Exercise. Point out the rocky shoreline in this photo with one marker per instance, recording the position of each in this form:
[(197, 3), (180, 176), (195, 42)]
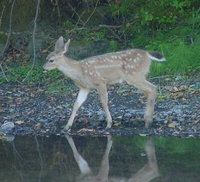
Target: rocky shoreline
[(34, 112)]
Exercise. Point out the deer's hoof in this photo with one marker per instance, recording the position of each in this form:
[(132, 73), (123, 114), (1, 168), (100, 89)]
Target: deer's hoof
[(109, 125), (148, 124), (107, 129), (148, 121), (66, 130)]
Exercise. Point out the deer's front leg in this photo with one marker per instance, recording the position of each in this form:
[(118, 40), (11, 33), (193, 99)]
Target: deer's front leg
[(82, 96), (104, 101), (82, 163)]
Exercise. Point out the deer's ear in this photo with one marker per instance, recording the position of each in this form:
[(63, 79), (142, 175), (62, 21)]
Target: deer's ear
[(59, 44), (66, 46)]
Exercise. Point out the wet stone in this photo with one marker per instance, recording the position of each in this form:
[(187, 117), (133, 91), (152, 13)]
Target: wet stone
[(7, 127), (127, 115), (165, 122), (158, 119), (180, 119)]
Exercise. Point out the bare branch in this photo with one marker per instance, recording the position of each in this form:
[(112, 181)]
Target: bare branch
[(1, 16), (79, 16), (109, 27), (10, 28), (55, 4), (8, 38), (34, 31), (91, 13), (3, 72)]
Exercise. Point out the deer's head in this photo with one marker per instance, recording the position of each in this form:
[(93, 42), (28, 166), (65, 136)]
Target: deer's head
[(55, 59)]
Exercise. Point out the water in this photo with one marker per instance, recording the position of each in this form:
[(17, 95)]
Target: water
[(86, 158)]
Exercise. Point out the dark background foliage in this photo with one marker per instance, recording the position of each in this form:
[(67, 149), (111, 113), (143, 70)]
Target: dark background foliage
[(171, 27)]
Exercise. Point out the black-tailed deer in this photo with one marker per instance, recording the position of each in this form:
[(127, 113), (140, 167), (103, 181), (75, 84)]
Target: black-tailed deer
[(148, 172), (97, 72)]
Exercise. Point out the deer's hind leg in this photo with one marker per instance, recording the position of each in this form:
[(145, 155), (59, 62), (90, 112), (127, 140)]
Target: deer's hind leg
[(102, 90), (150, 92)]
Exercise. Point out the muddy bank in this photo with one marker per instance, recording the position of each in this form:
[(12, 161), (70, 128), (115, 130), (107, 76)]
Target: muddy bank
[(32, 111)]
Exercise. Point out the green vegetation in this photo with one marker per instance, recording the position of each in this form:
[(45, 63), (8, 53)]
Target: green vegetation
[(18, 72), (170, 151), (172, 144), (181, 58)]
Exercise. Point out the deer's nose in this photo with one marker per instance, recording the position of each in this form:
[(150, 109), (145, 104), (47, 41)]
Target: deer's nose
[(44, 70)]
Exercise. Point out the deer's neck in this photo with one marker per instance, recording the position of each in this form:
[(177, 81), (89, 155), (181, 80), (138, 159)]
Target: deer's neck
[(70, 68)]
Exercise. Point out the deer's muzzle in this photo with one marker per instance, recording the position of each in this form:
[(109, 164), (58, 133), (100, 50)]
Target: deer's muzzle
[(44, 70)]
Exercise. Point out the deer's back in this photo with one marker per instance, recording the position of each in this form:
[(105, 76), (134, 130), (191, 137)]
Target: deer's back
[(115, 67)]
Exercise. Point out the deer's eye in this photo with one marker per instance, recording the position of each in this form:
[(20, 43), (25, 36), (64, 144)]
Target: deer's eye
[(51, 60)]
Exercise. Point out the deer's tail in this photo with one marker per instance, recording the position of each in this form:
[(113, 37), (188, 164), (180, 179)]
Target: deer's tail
[(156, 56)]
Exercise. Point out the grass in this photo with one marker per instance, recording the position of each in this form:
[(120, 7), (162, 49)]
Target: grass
[(181, 58)]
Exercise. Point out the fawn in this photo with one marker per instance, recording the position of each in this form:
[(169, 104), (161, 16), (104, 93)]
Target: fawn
[(97, 72)]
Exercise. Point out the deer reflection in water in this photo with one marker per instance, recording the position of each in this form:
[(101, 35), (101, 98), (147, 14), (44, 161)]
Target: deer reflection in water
[(147, 173)]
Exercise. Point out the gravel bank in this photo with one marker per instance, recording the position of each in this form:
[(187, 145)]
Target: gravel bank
[(33, 111)]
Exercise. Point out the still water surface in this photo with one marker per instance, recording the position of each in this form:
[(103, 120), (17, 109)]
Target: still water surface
[(109, 158)]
